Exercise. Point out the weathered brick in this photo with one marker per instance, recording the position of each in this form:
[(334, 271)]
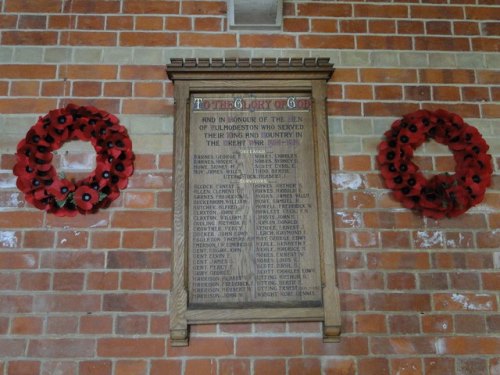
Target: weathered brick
[(61, 348), (134, 302), (131, 347)]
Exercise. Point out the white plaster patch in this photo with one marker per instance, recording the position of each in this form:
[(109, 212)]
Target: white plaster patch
[(8, 183), (372, 240), (440, 346), (29, 259), (100, 223), (496, 259), (430, 239), (495, 370), (353, 219), (467, 305), (8, 239), (347, 180)]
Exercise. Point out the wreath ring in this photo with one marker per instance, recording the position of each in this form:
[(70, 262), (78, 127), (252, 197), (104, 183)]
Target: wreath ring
[(47, 190), (443, 194)]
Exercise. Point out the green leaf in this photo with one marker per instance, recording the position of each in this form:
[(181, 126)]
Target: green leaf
[(61, 175), (102, 196), (61, 203)]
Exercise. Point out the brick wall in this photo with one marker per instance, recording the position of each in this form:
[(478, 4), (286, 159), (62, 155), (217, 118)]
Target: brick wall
[(90, 294)]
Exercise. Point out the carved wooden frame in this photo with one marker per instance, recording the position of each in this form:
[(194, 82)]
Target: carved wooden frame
[(266, 75)]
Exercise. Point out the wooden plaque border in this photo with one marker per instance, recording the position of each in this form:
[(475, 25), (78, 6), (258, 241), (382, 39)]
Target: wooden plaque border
[(246, 75)]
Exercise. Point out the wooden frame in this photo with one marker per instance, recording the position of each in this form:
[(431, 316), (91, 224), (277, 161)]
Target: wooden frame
[(274, 78)]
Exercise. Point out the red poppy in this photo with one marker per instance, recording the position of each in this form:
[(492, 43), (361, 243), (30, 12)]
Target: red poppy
[(60, 118), (85, 198), (60, 189)]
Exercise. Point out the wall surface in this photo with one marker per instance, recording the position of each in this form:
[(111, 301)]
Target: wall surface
[(89, 295)]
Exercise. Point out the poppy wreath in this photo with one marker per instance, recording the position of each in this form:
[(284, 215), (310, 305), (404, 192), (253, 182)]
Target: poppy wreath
[(443, 195), (38, 179)]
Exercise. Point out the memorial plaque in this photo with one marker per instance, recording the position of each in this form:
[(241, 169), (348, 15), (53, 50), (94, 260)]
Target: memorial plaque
[(253, 235)]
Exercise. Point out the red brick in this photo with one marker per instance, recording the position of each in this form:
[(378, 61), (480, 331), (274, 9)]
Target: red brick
[(306, 366), (142, 259), (403, 345), (438, 27), (437, 323), (27, 6), (407, 366), (162, 367), (207, 40), (133, 302), (404, 324), (398, 260), (61, 348), (269, 366), (482, 13), (72, 259), (97, 72), (34, 38), (131, 324), (95, 6), (95, 368), (446, 93), (87, 88), (151, 7), (370, 323), (148, 89), (138, 239), (388, 109), (476, 94), (20, 219), (67, 367), (24, 368), (234, 366), (131, 347), (441, 44), (367, 280), (326, 41), (302, 25), (141, 219), (410, 27), (26, 325), (18, 260), (150, 39), (24, 88), (484, 44), (383, 11), (178, 23), (8, 21), (436, 12), (462, 345), (53, 88), (201, 366), (266, 41), (395, 239), (358, 92), (324, 10), (68, 281), (91, 22), (34, 281), (373, 366), (136, 281), (353, 26), (381, 27), (338, 366), (383, 42), (437, 366), (401, 281), (204, 8), (12, 347), (268, 347), (119, 23), (204, 347), (102, 281), (95, 324), (208, 24), (388, 92), (62, 325), (89, 38), (143, 72), (105, 240), (160, 324), (399, 302), (38, 239), (469, 323), (487, 77), (148, 23), (131, 367), (66, 303)]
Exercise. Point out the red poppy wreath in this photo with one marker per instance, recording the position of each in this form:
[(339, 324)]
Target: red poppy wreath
[(38, 179), (444, 194)]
